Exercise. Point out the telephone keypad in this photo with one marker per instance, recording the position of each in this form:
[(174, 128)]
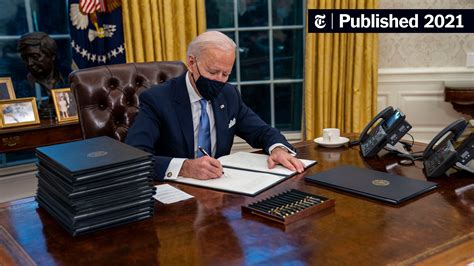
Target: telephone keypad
[(440, 159), (376, 136)]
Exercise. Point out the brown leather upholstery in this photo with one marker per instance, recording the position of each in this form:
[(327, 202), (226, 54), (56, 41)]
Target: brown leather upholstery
[(107, 96)]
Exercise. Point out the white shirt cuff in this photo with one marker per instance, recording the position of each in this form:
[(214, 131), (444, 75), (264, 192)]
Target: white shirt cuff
[(174, 167), (290, 151)]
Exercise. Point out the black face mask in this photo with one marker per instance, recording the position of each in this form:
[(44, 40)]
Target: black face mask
[(209, 89)]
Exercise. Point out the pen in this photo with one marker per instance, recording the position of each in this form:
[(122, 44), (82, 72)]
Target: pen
[(203, 151), (207, 154)]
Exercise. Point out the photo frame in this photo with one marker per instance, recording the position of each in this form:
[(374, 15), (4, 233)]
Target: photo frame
[(65, 105), (18, 112), (6, 89)]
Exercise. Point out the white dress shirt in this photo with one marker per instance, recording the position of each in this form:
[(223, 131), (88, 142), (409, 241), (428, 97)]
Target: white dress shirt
[(176, 163)]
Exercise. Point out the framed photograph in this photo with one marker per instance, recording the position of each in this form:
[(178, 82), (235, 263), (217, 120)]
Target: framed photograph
[(18, 112), (6, 89), (65, 105)]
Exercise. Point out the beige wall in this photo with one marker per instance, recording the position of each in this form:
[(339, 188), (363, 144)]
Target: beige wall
[(415, 67), (400, 50)]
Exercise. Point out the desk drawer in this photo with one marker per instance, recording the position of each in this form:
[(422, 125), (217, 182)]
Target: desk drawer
[(36, 137)]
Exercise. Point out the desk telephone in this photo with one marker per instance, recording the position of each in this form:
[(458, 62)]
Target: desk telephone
[(438, 159), (390, 129)]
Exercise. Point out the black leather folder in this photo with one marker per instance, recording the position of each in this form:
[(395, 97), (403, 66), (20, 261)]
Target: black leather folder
[(94, 184), (97, 201), (92, 226), (389, 188), (95, 189), (91, 155), (94, 176)]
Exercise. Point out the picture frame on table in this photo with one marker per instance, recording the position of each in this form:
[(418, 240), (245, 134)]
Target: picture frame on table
[(18, 112), (6, 89), (65, 105)]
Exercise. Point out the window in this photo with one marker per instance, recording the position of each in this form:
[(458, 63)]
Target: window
[(20, 17), (269, 63), (17, 18)]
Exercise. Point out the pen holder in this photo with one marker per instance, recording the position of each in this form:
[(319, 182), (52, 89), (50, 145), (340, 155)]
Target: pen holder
[(289, 206)]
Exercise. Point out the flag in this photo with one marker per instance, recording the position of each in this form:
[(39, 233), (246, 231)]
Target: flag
[(96, 32)]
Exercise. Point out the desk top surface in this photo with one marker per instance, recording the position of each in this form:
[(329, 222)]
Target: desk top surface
[(210, 228)]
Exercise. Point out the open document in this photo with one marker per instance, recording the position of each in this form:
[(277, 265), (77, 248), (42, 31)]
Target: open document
[(245, 173)]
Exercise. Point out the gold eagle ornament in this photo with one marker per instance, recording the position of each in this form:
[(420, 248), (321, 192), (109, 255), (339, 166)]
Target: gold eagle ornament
[(80, 13)]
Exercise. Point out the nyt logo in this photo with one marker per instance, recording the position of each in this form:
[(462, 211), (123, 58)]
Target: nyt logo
[(320, 21)]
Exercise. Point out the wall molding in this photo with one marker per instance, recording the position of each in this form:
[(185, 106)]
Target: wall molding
[(425, 74), (419, 93)]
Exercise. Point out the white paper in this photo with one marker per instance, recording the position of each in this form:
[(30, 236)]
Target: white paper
[(249, 174), (168, 194), (256, 162), (234, 180)]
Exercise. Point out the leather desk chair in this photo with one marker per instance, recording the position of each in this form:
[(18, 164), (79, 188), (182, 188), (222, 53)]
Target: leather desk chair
[(107, 96)]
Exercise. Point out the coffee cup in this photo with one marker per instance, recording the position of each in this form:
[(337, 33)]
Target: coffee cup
[(331, 135)]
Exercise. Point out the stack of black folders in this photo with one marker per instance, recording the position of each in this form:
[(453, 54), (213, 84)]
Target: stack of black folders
[(95, 184), (289, 206)]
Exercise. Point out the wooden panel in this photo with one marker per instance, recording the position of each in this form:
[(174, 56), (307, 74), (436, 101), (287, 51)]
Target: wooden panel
[(420, 95), (427, 109), (31, 137)]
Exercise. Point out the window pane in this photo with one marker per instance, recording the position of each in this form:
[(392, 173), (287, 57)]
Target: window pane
[(288, 109), (287, 12), (50, 16), (64, 57), (11, 65), (220, 13), (13, 18), (252, 13), (257, 97), (233, 75), (254, 55), (288, 54)]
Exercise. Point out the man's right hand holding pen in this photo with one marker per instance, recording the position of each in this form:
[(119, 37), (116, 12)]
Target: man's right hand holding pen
[(205, 167)]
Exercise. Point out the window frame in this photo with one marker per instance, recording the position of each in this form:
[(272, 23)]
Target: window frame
[(271, 81)]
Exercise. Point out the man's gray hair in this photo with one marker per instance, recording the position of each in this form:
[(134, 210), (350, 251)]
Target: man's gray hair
[(210, 39)]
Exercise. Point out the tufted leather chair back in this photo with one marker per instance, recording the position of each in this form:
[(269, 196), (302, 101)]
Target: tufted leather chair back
[(107, 96)]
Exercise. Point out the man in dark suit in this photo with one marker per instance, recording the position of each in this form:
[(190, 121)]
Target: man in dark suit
[(198, 113)]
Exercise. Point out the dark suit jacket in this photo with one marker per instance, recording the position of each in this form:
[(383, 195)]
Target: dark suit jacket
[(164, 124)]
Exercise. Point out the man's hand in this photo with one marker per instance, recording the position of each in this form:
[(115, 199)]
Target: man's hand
[(204, 167), (281, 156)]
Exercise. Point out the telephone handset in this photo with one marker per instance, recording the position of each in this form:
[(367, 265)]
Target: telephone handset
[(390, 129), (437, 160)]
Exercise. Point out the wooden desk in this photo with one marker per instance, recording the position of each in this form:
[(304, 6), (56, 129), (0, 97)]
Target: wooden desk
[(210, 229), (31, 137)]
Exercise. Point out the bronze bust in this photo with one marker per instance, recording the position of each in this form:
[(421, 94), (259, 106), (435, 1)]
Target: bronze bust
[(39, 53)]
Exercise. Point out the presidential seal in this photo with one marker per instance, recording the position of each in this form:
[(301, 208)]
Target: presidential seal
[(96, 154), (380, 182)]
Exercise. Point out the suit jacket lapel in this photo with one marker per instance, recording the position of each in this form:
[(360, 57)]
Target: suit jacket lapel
[(220, 117), (183, 111)]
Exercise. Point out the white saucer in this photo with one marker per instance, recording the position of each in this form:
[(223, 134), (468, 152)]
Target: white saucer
[(334, 144)]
